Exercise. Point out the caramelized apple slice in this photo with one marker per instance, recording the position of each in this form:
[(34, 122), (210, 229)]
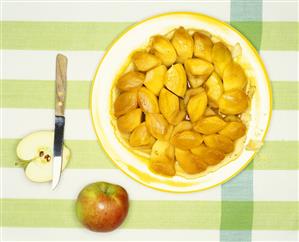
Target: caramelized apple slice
[(183, 44), (219, 142), (163, 166), (125, 102), (233, 102), (141, 137), (198, 67), (176, 80), (145, 61), (169, 132), (196, 81), (156, 125), (187, 140), (234, 77), (147, 101), (234, 130), (189, 162), (130, 80), (128, 122), (214, 88), (192, 92), (162, 148), (164, 50), (197, 106), (209, 125), (169, 104), (182, 126), (155, 78), (178, 117), (208, 155), (221, 57), (162, 158), (202, 46), (197, 71)]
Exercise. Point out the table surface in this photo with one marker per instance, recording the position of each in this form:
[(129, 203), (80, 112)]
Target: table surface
[(260, 204)]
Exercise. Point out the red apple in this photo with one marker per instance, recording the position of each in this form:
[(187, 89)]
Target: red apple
[(102, 206)]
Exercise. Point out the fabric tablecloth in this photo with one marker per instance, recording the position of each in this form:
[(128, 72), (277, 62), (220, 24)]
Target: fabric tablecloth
[(260, 204)]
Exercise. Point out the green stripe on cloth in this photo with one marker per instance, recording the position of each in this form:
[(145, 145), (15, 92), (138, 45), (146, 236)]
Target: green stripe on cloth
[(60, 35), (88, 154), (236, 217), (235, 235), (143, 214), (266, 215), (251, 30), (270, 35), (276, 215), (85, 154), (246, 10), (43, 95), (280, 36), (273, 156), (98, 35), (285, 94), (238, 188), (154, 214)]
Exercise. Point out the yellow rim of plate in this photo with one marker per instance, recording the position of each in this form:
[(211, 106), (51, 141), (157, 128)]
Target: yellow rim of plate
[(208, 19)]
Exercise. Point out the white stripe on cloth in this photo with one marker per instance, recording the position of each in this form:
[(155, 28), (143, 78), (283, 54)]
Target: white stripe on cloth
[(280, 185), (272, 11), (274, 235), (281, 65), (22, 64), (16, 185), (67, 234), (110, 12), (18, 122), (268, 185), (280, 11)]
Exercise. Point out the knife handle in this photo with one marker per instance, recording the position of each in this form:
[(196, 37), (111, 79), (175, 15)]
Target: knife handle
[(61, 67)]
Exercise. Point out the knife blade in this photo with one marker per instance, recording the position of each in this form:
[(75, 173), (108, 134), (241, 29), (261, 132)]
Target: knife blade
[(60, 94)]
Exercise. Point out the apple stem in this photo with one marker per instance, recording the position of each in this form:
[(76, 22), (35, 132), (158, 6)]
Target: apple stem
[(22, 163)]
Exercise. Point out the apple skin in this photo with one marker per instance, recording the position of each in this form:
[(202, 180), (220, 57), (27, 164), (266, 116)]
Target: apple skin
[(102, 206)]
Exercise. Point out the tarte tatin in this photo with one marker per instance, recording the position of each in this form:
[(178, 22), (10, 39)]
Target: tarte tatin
[(181, 100)]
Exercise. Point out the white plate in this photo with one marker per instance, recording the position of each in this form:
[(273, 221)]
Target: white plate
[(116, 56)]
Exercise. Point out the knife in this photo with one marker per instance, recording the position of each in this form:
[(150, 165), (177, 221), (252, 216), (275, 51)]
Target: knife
[(60, 83)]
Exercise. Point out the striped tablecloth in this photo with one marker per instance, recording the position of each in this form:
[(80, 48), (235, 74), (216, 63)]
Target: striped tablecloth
[(260, 204)]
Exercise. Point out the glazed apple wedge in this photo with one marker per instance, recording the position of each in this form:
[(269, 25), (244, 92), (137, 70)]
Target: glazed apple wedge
[(35, 152)]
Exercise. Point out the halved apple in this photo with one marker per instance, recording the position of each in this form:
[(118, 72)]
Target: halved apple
[(35, 152)]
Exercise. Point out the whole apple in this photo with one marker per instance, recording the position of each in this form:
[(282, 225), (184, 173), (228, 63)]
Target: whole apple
[(102, 206)]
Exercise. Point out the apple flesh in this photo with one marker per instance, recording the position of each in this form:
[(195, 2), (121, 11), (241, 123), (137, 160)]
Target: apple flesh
[(35, 152), (102, 206)]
